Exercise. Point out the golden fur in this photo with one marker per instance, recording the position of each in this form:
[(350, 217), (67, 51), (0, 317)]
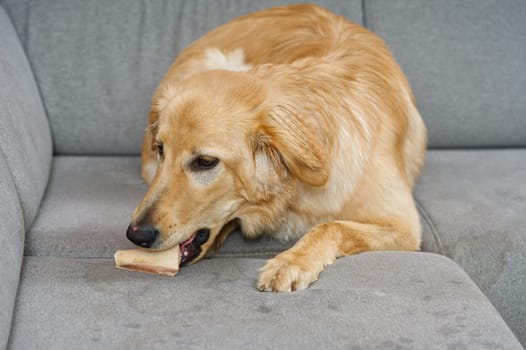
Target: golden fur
[(316, 134)]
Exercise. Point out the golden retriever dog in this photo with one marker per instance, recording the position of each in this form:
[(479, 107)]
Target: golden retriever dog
[(292, 122)]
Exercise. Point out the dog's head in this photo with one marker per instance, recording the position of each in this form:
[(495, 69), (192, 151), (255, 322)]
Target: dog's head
[(228, 155)]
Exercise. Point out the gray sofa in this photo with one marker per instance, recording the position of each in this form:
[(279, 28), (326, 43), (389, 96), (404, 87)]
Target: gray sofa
[(76, 77)]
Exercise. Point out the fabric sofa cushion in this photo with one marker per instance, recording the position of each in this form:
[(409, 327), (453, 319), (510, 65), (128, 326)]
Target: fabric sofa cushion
[(377, 300), (476, 200), (25, 139), (88, 206), (12, 243), (467, 215), (465, 61), (89, 203), (108, 57)]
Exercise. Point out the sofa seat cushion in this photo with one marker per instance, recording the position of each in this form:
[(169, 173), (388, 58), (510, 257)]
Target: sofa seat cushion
[(88, 205), (89, 202), (475, 201), (471, 204), (372, 300)]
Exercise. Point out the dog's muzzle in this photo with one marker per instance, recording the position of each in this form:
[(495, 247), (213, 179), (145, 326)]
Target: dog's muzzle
[(146, 237)]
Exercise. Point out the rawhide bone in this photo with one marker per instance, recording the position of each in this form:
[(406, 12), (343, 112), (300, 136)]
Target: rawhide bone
[(165, 262)]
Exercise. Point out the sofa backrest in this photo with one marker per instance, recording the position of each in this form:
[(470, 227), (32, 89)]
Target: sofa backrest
[(98, 62), (466, 61)]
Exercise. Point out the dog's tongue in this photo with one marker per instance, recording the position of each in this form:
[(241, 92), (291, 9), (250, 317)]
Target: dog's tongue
[(183, 247), (191, 248)]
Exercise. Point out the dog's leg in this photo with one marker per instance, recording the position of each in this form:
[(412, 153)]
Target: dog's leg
[(299, 266)]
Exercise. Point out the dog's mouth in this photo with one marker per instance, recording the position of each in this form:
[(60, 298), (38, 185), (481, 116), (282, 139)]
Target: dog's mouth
[(191, 248)]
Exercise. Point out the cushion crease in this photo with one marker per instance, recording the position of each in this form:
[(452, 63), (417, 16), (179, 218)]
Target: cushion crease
[(431, 226)]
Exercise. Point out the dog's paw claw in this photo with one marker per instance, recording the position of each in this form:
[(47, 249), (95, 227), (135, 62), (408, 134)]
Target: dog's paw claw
[(286, 273)]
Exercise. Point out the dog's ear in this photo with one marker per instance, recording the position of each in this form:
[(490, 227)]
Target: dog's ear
[(296, 144)]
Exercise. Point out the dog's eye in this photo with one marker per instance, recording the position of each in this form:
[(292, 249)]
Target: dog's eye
[(158, 146), (203, 163)]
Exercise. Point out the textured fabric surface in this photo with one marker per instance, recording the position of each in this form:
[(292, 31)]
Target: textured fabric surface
[(24, 132), (369, 301), (466, 62), (477, 203), (108, 57), (470, 201), (89, 203), (12, 243), (87, 207)]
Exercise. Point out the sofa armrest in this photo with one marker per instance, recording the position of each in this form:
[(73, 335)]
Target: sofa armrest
[(12, 243), (25, 138)]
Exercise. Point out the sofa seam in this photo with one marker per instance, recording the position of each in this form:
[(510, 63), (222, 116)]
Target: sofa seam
[(367, 15), (17, 191), (364, 17), (429, 222)]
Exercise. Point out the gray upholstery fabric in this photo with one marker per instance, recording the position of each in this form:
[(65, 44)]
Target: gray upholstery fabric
[(369, 301), (12, 243), (466, 62), (24, 132), (477, 203), (88, 206), (89, 202), (108, 57), (443, 48)]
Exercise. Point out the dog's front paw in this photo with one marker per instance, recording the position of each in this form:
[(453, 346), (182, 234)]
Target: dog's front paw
[(288, 272)]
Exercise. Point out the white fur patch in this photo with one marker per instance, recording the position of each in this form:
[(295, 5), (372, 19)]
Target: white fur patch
[(267, 181), (346, 167), (214, 58), (204, 178), (150, 170), (233, 61), (294, 227)]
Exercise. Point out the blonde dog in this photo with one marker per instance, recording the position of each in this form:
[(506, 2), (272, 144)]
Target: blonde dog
[(292, 122)]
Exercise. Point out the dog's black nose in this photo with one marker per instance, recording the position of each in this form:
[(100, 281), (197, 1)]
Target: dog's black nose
[(143, 236)]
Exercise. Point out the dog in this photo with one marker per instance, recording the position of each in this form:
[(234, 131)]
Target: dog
[(292, 122)]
